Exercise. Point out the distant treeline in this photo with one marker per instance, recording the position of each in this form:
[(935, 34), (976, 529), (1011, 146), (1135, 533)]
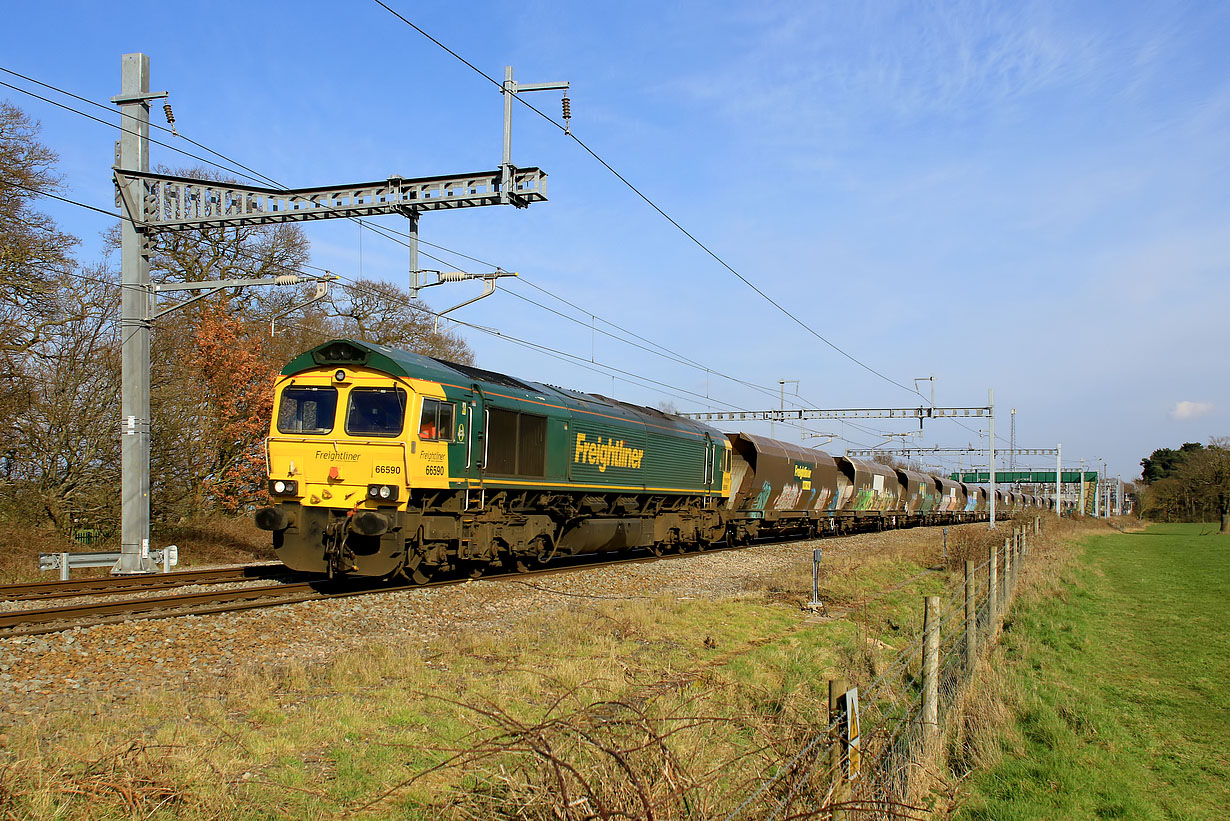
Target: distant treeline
[(1188, 484)]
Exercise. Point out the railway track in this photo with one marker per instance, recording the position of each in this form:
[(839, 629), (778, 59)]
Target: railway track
[(38, 621), (116, 585)]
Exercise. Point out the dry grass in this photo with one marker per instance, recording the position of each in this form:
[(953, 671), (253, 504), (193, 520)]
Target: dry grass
[(217, 540), (676, 709), (20, 544), (212, 540)]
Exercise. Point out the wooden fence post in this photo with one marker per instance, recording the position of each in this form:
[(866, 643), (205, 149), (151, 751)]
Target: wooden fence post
[(841, 789), (1007, 591), (971, 619), (931, 670)]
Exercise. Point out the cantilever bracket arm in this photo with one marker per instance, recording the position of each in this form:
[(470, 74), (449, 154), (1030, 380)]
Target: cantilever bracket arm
[(212, 286), (489, 283), (322, 290)]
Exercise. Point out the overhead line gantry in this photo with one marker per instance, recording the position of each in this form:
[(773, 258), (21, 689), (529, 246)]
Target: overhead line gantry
[(921, 413)]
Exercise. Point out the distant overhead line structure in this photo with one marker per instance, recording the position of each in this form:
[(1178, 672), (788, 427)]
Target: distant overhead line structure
[(1057, 477), (921, 413), (968, 449), (778, 415)]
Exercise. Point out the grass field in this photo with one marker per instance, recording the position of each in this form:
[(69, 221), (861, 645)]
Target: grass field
[(1117, 679), (692, 699)]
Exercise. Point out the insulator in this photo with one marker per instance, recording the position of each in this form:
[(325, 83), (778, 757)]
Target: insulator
[(567, 108), (288, 279), (166, 109), (453, 276)]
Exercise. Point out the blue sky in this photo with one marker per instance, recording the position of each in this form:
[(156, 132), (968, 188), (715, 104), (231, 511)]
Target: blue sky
[(1030, 197)]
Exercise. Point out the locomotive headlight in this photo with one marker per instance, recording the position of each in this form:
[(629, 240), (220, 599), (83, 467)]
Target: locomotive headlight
[(283, 487), (385, 493)]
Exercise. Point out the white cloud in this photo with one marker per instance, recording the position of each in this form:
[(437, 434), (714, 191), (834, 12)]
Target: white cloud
[(1190, 410)]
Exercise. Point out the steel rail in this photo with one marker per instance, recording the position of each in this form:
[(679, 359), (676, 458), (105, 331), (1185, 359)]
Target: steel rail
[(127, 584), (57, 619)]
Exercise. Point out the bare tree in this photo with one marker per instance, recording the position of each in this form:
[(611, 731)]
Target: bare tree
[(380, 312), (34, 252), (63, 439)]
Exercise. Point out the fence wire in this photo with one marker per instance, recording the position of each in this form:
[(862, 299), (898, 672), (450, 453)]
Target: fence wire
[(898, 742)]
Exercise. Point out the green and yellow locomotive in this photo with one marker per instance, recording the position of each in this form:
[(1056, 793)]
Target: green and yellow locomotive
[(384, 462)]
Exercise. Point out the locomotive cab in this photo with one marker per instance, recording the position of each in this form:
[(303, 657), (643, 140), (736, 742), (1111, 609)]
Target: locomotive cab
[(346, 445)]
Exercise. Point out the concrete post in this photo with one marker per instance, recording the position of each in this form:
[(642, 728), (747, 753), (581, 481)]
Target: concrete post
[(993, 593), (971, 619), (931, 669), (1016, 559), (1007, 591)]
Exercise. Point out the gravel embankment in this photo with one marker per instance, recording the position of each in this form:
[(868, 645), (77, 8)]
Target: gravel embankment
[(121, 661)]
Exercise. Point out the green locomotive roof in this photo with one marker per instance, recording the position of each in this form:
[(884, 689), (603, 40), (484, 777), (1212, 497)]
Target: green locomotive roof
[(341, 353)]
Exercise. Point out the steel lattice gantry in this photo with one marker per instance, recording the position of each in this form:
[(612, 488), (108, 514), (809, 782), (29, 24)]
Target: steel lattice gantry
[(778, 415), (165, 202)]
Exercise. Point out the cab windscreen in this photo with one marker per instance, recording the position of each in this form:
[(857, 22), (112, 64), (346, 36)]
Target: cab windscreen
[(376, 412)]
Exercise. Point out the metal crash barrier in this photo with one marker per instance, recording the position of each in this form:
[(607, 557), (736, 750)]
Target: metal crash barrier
[(167, 557)]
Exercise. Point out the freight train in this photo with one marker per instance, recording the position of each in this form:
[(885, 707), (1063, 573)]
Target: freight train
[(387, 463)]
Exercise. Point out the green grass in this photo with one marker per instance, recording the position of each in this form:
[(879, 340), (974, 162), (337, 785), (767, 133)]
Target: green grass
[(1119, 685)]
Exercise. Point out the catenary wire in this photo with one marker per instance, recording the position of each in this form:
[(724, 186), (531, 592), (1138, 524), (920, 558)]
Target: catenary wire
[(380, 230), (585, 147)]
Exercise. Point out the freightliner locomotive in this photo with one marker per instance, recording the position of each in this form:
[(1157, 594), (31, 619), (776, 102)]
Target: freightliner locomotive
[(385, 463)]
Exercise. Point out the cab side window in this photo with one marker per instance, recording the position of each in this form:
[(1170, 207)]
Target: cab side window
[(436, 422)]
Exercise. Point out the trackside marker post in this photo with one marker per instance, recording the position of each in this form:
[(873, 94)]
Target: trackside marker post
[(815, 603)]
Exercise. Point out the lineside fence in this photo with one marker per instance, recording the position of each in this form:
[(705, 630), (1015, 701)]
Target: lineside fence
[(879, 754)]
